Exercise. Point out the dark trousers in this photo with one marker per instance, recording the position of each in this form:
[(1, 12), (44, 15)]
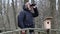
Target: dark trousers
[(32, 26)]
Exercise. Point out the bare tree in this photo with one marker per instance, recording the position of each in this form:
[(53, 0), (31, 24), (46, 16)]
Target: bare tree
[(14, 11), (7, 14)]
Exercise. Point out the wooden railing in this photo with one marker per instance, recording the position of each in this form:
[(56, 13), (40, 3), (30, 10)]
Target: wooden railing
[(36, 30)]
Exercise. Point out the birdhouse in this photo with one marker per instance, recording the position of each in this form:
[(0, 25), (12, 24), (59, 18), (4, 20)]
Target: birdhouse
[(47, 23)]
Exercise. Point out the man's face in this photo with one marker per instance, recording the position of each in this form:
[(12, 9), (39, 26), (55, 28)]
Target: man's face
[(28, 6)]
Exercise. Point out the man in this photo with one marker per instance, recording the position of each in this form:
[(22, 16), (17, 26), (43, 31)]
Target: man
[(25, 18)]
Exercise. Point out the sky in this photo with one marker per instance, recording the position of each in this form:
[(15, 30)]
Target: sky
[(56, 4)]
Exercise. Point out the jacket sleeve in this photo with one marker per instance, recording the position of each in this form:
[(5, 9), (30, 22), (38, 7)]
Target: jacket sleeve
[(20, 20), (35, 14)]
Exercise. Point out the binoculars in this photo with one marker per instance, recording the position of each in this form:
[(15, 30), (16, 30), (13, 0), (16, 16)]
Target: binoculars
[(32, 4)]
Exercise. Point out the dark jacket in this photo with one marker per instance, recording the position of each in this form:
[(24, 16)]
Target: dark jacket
[(25, 18)]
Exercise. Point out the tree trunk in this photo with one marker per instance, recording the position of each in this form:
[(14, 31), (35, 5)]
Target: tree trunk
[(14, 11)]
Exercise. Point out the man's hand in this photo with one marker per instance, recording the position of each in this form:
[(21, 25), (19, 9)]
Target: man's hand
[(34, 6), (23, 31)]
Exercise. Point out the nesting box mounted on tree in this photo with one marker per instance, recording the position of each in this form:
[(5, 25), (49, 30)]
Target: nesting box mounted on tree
[(47, 23)]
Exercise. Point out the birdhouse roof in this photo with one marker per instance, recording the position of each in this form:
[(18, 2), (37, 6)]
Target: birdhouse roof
[(48, 18)]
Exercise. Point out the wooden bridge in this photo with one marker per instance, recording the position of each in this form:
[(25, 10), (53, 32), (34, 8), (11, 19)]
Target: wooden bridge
[(36, 30)]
